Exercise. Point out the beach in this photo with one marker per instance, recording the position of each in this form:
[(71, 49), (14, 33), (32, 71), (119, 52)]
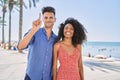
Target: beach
[(13, 66), (101, 69)]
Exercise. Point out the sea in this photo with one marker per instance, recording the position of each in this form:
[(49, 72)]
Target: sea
[(108, 49)]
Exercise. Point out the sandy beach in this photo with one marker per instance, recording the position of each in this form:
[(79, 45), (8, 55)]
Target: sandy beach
[(13, 65), (101, 69)]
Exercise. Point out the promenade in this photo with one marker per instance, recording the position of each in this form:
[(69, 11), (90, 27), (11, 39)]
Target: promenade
[(13, 66)]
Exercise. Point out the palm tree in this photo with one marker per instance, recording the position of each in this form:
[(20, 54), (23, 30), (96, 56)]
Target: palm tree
[(1, 23), (20, 19), (21, 15), (33, 2), (3, 4), (21, 4), (10, 5)]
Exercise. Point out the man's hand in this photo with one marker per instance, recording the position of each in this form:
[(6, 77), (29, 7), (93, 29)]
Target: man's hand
[(36, 24)]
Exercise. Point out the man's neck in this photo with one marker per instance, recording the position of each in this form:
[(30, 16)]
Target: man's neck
[(48, 32)]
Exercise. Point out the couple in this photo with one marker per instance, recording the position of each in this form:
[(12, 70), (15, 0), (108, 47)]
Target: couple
[(45, 48)]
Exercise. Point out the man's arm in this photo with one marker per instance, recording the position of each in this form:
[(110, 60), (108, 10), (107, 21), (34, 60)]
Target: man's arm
[(25, 41)]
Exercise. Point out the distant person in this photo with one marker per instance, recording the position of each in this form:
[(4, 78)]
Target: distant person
[(68, 50), (89, 55), (40, 41)]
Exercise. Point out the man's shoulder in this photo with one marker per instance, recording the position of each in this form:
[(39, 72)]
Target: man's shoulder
[(40, 30), (54, 35)]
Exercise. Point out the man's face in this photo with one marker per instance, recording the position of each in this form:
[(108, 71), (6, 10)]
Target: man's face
[(49, 19)]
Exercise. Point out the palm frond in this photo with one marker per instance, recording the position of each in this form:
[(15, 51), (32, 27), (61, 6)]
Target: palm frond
[(24, 5), (34, 3), (5, 1), (1, 1), (30, 3), (16, 9)]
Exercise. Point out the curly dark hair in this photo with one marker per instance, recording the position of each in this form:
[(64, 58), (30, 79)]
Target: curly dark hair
[(79, 31)]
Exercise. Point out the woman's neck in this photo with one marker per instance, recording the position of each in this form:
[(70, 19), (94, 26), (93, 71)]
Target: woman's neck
[(67, 41)]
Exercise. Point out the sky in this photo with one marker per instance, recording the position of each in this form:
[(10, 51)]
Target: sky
[(101, 18)]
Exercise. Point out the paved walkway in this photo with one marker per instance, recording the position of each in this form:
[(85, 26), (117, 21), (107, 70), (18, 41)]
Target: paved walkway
[(13, 66)]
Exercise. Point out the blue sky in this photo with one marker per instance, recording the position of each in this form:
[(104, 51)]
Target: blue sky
[(101, 18)]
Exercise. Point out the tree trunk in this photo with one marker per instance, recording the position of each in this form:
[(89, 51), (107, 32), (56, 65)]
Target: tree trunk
[(9, 42), (20, 21), (11, 3), (3, 36)]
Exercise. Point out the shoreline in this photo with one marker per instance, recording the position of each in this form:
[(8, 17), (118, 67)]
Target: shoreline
[(101, 69)]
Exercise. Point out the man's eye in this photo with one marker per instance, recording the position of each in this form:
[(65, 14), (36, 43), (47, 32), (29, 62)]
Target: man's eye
[(46, 18)]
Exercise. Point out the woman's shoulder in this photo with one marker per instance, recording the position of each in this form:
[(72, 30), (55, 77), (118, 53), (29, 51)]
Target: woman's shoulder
[(57, 45), (79, 46)]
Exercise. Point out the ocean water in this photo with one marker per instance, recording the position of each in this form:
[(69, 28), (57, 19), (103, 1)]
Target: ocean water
[(109, 49)]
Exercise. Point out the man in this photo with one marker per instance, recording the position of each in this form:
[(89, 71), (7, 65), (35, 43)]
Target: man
[(40, 40)]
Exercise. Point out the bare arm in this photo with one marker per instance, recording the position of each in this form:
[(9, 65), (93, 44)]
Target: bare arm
[(25, 41), (80, 64), (55, 54)]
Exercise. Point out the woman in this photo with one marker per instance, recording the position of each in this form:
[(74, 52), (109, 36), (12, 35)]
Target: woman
[(67, 49)]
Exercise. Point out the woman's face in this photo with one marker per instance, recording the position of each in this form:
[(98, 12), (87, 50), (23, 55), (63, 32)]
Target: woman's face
[(68, 31)]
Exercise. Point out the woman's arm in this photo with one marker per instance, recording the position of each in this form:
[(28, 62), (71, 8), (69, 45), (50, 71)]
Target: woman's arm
[(55, 54), (80, 64)]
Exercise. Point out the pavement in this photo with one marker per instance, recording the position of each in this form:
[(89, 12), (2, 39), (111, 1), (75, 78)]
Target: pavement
[(13, 67)]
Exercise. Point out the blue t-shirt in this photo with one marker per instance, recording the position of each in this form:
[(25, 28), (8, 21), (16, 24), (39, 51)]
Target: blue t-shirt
[(39, 65)]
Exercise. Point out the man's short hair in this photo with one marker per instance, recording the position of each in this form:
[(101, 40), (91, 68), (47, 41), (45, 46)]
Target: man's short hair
[(48, 9)]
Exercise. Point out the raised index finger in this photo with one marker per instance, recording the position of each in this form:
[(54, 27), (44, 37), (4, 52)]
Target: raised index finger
[(40, 16)]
